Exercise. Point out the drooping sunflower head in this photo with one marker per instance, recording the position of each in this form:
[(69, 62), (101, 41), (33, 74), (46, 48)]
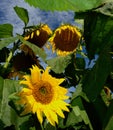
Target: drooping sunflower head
[(43, 95), (65, 39), (39, 36)]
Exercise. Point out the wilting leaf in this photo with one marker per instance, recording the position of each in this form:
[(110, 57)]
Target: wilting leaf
[(59, 64), (5, 42), (106, 9), (38, 51), (60, 5), (22, 14), (6, 30)]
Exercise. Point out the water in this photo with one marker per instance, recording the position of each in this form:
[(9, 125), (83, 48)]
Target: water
[(36, 16)]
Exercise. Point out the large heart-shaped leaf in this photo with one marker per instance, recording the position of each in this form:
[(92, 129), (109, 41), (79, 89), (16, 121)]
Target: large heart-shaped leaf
[(5, 42), (95, 79), (7, 114), (6, 30), (59, 64), (60, 5), (22, 14), (38, 51), (98, 30)]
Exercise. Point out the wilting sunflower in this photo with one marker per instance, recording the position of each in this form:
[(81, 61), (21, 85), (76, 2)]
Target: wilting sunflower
[(39, 36), (44, 95), (65, 39)]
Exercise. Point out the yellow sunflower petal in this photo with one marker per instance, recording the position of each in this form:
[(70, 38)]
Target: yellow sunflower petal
[(26, 83), (32, 34), (44, 95), (47, 77), (27, 77), (63, 105), (57, 110), (30, 100), (37, 32), (35, 74), (51, 116), (62, 92), (39, 115), (27, 110), (27, 91), (26, 37), (35, 107)]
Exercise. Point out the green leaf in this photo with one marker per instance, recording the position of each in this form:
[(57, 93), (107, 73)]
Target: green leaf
[(98, 32), (27, 124), (76, 116), (99, 108), (1, 89), (22, 14), (6, 30), (106, 9), (82, 114), (38, 51), (95, 79), (73, 119), (61, 5), (80, 63), (78, 93), (7, 115), (5, 42), (1, 125), (58, 64), (49, 127), (108, 122)]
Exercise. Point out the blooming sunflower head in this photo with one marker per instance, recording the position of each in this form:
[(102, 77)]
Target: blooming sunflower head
[(65, 39), (39, 36), (43, 95)]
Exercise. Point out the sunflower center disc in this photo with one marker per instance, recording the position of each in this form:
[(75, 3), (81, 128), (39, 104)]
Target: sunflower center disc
[(43, 92)]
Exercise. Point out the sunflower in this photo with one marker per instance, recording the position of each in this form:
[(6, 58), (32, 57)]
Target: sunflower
[(39, 36), (65, 39), (43, 95)]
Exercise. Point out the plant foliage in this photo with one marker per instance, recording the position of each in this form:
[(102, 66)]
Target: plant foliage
[(88, 70)]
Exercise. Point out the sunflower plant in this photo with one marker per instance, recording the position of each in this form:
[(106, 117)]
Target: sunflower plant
[(72, 90)]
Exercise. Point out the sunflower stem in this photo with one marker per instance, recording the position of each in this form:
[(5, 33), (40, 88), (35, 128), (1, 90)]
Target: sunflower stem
[(42, 127), (8, 59), (11, 54)]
